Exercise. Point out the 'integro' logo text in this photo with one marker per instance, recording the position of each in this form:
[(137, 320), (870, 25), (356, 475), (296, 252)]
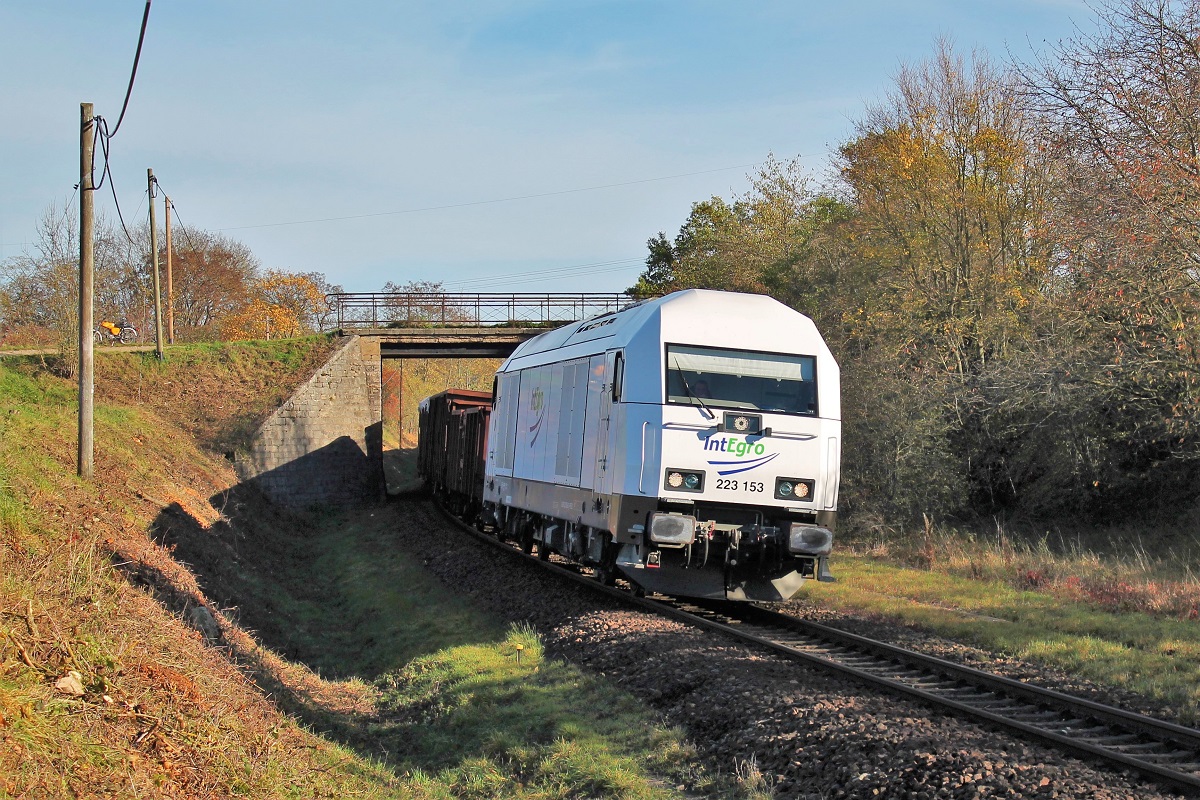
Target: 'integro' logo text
[(738, 448), (734, 446)]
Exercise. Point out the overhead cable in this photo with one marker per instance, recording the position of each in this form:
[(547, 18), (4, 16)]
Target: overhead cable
[(556, 273), (133, 74)]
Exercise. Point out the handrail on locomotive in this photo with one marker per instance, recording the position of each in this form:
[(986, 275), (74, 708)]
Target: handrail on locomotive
[(357, 310)]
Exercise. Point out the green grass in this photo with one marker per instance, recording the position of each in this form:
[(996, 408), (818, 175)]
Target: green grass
[(425, 696), (331, 592), (498, 721), (465, 707), (1155, 656)]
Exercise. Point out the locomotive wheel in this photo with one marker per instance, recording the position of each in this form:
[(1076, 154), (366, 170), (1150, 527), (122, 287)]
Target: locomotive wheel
[(605, 572), (605, 575), (527, 538), (543, 552)]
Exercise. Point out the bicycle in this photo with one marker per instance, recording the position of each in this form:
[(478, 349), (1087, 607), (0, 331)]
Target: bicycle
[(114, 333)]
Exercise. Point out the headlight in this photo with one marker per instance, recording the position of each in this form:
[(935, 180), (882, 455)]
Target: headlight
[(810, 540), (794, 489), (684, 480), (675, 529)]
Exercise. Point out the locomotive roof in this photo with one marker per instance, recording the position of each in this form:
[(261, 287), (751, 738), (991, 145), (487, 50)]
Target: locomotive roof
[(693, 316)]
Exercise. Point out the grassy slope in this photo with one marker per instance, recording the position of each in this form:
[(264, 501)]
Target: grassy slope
[(419, 696), (161, 714)]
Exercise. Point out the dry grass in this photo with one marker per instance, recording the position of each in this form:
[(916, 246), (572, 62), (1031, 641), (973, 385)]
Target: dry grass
[(1154, 570), (158, 711)]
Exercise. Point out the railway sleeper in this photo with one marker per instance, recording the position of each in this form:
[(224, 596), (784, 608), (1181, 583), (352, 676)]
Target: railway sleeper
[(1089, 735), (934, 686), (1037, 717), (907, 674), (1131, 744), (969, 694), (862, 663), (1115, 740), (1015, 709)]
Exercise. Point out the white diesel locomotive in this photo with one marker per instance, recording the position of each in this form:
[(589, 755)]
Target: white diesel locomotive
[(689, 443)]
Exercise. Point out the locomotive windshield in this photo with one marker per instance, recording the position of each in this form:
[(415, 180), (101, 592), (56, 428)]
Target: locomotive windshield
[(721, 378)]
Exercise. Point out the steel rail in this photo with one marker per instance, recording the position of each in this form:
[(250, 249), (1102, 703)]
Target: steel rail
[(1167, 753)]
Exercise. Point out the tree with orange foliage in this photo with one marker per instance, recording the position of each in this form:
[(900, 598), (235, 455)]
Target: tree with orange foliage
[(280, 305), (950, 201)]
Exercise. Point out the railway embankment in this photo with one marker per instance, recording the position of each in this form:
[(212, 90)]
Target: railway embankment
[(374, 652)]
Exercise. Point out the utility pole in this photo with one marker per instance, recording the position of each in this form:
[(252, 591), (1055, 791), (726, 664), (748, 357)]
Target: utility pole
[(170, 291), (87, 379), (158, 326)]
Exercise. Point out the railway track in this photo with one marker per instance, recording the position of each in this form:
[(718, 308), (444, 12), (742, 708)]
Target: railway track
[(1165, 753)]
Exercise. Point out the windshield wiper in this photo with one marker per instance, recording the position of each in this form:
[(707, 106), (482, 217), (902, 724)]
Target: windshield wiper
[(707, 411)]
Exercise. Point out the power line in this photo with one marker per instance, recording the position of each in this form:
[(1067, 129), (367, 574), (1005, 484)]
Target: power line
[(485, 202), (178, 218), (133, 74), (105, 136)]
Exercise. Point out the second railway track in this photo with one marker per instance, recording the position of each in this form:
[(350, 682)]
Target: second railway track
[(1166, 753)]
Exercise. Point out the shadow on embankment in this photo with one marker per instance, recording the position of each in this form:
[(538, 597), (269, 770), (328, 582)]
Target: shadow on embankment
[(313, 604)]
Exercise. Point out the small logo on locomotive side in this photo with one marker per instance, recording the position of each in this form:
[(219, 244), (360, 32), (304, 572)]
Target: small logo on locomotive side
[(536, 401)]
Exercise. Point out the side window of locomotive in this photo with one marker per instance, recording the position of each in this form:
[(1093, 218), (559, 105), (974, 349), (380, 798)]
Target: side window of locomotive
[(618, 380), (721, 378)]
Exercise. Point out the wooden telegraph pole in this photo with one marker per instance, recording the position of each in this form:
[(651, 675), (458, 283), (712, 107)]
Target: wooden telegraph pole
[(87, 381), (158, 326), (170, 288)]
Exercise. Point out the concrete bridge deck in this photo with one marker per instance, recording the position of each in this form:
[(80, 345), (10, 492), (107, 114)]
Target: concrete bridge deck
[(445, 342)]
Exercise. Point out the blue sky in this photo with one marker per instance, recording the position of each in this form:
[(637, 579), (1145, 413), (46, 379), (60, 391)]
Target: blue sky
[(496, 145)]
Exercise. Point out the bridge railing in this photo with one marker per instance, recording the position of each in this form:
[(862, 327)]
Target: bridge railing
[(452, 309)]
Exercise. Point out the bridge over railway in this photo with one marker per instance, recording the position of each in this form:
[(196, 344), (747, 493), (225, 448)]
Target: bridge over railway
[(461, 325), (324, 445)]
